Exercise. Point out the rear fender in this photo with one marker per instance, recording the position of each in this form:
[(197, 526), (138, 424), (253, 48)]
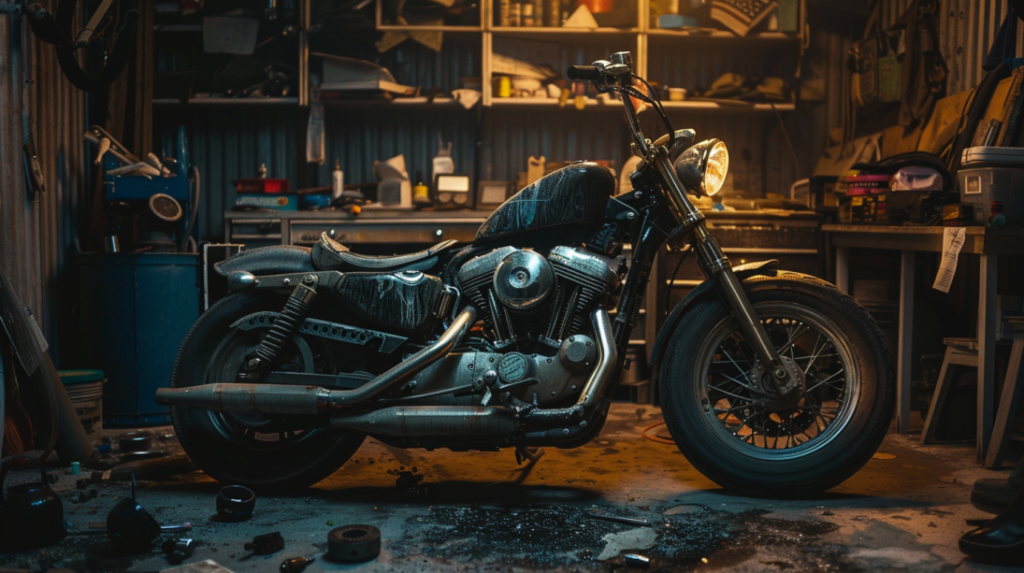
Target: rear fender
[(269, 260), (704, 290)]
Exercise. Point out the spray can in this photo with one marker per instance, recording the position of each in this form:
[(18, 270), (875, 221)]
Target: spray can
[(337, 180)]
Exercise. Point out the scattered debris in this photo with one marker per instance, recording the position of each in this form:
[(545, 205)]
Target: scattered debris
[(634, 560), (883, 456), (354, 543), (135, 442), (178, 550), (152, 469), (207, 566), (295, 564), (235, 503), (616, 543), (266, 544), (617, 519)]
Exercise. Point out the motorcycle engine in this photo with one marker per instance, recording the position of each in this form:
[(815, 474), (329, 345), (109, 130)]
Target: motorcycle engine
[(530, 301)]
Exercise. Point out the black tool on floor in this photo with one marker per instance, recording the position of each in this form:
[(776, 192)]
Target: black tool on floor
[(130, 526), (266, 544), (353, 543), (296, 564), (34, 507)]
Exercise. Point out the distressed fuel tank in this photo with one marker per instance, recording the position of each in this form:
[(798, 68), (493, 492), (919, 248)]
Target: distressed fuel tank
[(570, 199)]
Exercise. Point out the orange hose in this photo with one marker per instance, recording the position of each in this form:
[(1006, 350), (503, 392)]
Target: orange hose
[(656, 439)]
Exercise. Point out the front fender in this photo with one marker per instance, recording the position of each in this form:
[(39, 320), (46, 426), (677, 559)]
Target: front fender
[(704, 289)]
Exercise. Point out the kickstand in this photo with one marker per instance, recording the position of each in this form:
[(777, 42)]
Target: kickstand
[(532, 454)]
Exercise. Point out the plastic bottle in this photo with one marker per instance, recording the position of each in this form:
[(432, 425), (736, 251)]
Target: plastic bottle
[(420, 192), (337, 180)]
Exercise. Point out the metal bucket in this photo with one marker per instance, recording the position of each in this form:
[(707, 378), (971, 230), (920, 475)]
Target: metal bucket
[(85, 388)]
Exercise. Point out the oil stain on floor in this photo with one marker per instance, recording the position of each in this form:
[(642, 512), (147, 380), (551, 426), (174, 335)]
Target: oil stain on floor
[(565, 538)]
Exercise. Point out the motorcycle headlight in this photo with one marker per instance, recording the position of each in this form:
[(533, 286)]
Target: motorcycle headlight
[(703, 167)]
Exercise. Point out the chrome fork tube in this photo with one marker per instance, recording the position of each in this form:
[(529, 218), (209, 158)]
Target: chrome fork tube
[(717, 265)]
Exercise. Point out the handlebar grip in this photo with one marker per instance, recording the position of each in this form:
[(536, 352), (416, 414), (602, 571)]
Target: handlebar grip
[(583, 73)]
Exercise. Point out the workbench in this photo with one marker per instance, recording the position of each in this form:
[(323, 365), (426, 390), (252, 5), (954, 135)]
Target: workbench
[(373, 227), (988, 244)]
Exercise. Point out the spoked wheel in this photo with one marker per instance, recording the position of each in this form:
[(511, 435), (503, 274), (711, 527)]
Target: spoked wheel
[(745, 437), (267, 453), (258, 430), (772, 428)]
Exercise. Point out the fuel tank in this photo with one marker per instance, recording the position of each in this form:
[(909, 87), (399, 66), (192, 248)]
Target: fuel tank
[(570, 199)]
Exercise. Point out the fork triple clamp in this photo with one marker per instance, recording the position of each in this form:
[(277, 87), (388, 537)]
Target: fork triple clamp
[(284, 328)]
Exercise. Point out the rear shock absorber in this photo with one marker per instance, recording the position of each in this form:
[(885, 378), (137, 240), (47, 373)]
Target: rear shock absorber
[(285, 325)]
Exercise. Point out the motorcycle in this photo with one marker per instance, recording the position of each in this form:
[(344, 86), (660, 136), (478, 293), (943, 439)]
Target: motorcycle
[(772, 383)]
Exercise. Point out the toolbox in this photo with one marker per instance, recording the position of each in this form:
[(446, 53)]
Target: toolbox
[(992, 174)]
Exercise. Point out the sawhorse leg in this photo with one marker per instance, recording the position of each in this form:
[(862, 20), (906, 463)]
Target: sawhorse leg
[(939, 398), (1013, 386), (906, 341)]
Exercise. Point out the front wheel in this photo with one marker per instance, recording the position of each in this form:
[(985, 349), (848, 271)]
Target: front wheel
[(779, 448)]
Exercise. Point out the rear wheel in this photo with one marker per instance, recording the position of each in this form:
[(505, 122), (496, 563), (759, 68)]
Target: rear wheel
[(267, 453), (779, 448)]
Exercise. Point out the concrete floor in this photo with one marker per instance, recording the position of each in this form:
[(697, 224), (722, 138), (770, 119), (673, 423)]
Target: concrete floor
[(482, 512)]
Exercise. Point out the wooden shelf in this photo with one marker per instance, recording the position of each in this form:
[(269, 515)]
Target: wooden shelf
[(228, 101), (562, 34), (728, 105), (539, 102), (448, 29), (446, 103), (696, 105), (180, 28), (723, 36)]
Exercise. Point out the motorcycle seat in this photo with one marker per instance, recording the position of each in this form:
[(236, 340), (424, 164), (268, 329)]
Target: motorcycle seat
[(330, 255)]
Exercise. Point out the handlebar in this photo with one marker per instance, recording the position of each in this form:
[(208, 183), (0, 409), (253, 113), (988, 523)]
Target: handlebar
[(584, 73), (617, 75)]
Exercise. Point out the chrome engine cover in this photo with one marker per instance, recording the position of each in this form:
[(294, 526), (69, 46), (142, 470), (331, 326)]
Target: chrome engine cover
[(523, 280), (533, 303)]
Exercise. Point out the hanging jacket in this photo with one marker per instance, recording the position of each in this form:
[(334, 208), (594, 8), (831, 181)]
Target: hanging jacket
[(923, 72)]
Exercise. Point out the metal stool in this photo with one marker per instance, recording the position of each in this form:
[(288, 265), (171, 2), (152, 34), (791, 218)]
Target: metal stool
[(959, 352), (1012, 387), (964, 352)]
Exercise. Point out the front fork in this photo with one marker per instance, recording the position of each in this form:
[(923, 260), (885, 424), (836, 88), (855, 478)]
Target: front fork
[(716, 265)]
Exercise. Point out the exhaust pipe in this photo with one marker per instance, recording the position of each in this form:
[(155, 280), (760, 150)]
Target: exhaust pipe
[(289, 399), (596, 386), (432, 421)]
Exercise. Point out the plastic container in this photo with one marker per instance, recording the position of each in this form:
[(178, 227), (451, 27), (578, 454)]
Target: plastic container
[(981, 186), (85, 389)]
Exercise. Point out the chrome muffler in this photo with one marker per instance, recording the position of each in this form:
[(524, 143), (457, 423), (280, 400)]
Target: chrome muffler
[(433, 421), (294, 399)]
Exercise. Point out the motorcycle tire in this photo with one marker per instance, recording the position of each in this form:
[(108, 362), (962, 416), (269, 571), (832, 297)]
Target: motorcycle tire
[(223, 445), (719, 426)]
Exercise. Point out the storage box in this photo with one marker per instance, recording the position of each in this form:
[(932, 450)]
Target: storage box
[(870, 209), (980, 186)]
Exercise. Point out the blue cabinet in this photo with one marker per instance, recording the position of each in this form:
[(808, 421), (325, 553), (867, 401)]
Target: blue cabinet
[(134, 310)]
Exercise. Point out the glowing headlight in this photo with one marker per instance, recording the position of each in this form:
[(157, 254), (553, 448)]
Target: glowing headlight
[(703, 167), (716, 168)]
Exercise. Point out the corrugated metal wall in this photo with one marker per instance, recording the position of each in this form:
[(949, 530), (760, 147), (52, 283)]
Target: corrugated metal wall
[(967, 29), (34, 231)]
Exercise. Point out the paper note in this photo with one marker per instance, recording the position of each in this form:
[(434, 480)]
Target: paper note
[(952, 242)]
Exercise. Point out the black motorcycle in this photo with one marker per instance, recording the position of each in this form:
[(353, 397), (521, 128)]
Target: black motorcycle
[(773, 383)]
